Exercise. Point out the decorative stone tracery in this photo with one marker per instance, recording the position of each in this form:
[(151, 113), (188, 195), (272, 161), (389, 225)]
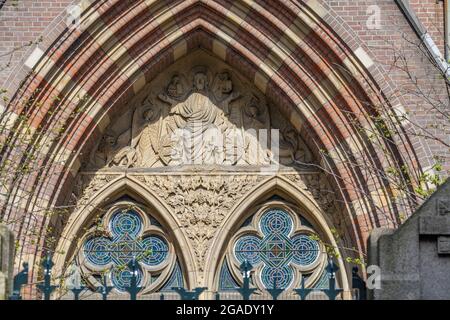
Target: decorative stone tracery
[(126, 232), (277, 249), (282, 246), (201, 201)]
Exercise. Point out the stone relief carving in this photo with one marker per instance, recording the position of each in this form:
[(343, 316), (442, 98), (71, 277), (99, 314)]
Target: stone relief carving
[(198, 117), (194, 116), (86, 186), (318, 187), (292, 148), (201, 202)]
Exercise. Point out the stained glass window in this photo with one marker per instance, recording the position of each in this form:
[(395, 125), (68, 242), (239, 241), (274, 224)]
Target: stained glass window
[(127, 239), (175, 280), (275, 249), (227, 283)]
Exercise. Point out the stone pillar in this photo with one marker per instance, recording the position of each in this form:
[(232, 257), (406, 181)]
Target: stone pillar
[(6, 262), (414, 260)]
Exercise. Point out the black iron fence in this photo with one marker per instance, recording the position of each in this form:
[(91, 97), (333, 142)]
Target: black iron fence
[(246, 292)]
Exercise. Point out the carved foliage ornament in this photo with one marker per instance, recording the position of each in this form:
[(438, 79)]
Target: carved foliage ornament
[(201, 203)]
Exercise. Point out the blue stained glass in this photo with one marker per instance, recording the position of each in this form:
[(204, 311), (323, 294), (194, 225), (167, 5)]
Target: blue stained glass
[(324, 281), (121, 278), (125, 227), (306, 250), (277, 250), (97, 251), (175, 280), (247, 248), (126, 222), (226, 280), (281, 277), (276, 221), (155, 251)]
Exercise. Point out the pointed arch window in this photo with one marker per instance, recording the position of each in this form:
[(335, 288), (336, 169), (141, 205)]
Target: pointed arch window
[(282, 247), (125, 232)]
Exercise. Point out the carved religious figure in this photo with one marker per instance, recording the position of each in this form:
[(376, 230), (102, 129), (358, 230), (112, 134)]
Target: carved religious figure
[(292, 148), (146, 142), (256, 140), (113, 152), (193, 123), (199, 117), (175, 88)]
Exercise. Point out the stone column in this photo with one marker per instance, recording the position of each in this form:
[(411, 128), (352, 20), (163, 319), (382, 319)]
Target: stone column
[(414, 260), (6, 262)]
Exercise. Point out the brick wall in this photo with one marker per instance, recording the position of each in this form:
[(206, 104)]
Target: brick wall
[(22, 22), (431, 14), (396, 39)]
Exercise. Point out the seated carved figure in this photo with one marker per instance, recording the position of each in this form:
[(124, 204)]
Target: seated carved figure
[(190, 121), (204, 122), (291, 148), (116, 155)]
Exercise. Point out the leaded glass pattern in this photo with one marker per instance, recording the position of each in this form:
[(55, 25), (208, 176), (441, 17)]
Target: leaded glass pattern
[(276, 249), (127, 239), (306, 250), (226, 281), (324, 281), (175, 280)]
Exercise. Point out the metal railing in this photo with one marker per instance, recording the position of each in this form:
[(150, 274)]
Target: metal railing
[(246, 292)]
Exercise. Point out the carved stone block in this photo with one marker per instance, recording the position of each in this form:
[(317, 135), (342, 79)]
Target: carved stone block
[(414, 260), (444, 245), (434, 226), (443, 207)]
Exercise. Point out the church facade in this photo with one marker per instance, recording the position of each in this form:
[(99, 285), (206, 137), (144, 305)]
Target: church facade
[(195, 137)]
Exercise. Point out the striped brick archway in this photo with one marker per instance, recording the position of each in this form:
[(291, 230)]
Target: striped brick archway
[(288, 50)]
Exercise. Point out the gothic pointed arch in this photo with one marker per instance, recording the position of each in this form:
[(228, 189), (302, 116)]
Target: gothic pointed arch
[(117, 220), (89, 77), (302, 245)]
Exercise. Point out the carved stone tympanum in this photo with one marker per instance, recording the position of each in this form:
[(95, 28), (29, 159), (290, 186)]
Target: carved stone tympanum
[(201, 117)]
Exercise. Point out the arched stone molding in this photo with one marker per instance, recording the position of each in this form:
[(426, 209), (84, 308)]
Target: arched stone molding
[(123, 53), (123, 185), (76, 161)]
